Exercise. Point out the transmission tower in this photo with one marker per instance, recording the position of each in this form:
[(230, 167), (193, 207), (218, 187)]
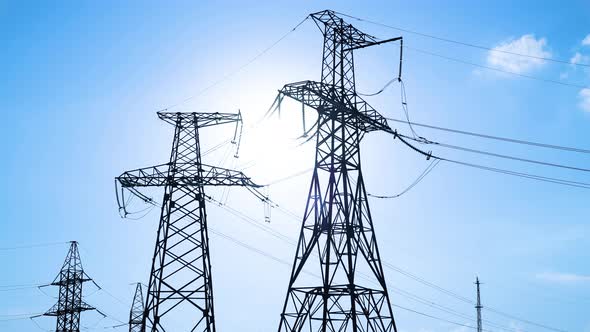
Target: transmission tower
[(136, 313), (478, 306), (180, 290), (69, 304), (337, 225)]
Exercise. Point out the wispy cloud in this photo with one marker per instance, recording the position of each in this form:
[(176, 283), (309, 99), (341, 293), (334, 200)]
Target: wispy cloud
[(586, 41), (563, 277), (584, 97), (526, 44), (515, 326)]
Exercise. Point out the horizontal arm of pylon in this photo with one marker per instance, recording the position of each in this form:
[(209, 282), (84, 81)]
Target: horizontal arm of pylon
[(184, 175), (54, 311), (317, 95), (188, 120)]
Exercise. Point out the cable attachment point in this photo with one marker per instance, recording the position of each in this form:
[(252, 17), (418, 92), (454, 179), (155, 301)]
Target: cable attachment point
[(267, 204), (238, 136)]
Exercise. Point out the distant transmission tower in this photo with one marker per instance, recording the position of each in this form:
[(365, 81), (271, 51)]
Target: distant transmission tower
[(69, 304), (337, 225), (180, 291), (136, 313), (478, 306)]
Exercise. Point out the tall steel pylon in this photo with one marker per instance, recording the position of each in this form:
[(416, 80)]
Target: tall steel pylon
[(180, 291), (136, 312), (337, 225), (478, 306), (69, 303)]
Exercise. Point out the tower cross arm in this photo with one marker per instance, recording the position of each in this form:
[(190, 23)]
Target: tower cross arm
[(56, 311), (325, 97), (201, 120), (184, 174), (328, 21)]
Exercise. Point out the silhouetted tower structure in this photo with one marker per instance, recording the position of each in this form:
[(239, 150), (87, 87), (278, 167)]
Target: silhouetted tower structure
[(478, 306), (137, 308), (69, 303), (337, 225), (180, 291)]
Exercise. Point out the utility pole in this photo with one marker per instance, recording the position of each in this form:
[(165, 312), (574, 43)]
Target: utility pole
[(69, 304), (478, 306), (180, 291), (337, 225), (136, 313)]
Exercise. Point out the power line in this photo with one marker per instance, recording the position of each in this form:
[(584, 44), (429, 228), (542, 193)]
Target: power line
[(427, 170), (498, 138), (427, 283), (232, 73), (576, 184), (39, 245), (429, 155), (7, 289), (380, 90), (290, 241), (253, 222), (284, 262), (17, 317), (523, 320), (288, 177), (453, 41), (574, 85), (498, 155), (446, 309), (435, 317)]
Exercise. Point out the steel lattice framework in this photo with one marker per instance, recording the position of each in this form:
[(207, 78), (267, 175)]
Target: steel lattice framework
[(478, 306), (136, 312), (180, 279), (69, 304), (337, 236)]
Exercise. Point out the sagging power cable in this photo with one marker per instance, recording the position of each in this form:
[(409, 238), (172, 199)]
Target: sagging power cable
[(427, 170), (399, 73)]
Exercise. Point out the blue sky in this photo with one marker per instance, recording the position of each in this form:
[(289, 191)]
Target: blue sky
[(81, 83)]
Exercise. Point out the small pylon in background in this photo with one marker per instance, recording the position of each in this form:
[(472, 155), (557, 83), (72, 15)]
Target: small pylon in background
[(478, 306), (136, 313), (69, 304)]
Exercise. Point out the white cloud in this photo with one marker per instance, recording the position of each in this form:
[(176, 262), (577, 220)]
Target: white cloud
[(586, 41), (564, 277), (584, 96), (579, 58), (526, 44)]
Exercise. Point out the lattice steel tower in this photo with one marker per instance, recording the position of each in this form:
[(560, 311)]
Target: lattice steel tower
[(180, 291), (337, 225), (478, 306), (136, 312), (69, 304)]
